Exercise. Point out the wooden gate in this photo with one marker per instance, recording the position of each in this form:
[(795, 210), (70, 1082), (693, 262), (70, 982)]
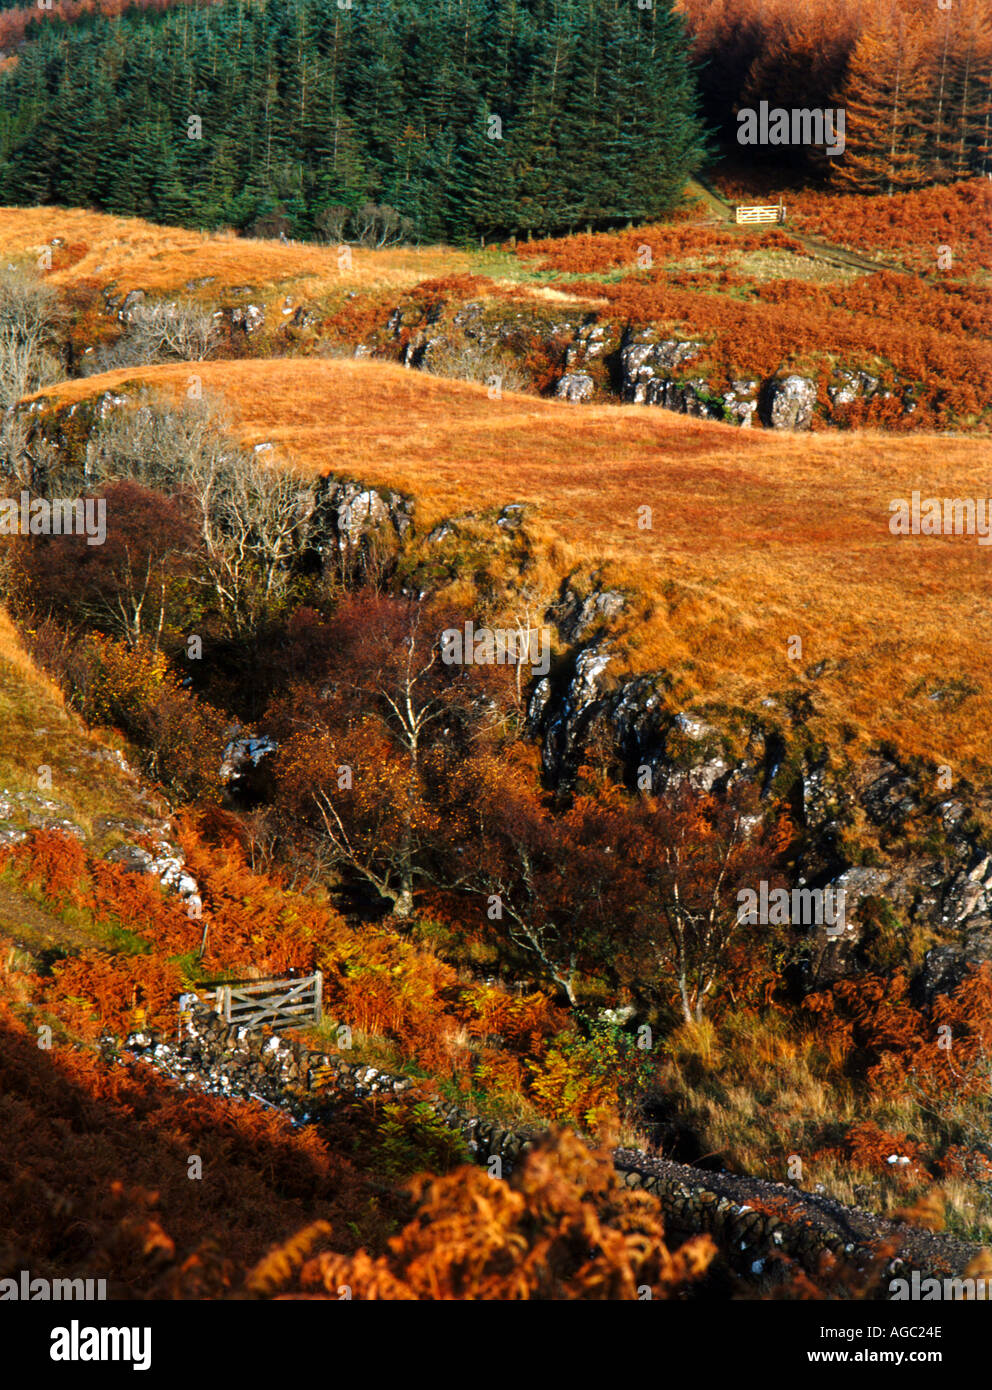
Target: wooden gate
[(770, 213), (276, 1003)]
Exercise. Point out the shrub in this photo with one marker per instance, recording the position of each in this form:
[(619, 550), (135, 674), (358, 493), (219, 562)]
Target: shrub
[(133, 688), (562, 1227)]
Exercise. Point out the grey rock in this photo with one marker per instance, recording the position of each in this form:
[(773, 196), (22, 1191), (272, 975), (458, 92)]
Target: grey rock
[(740, 403), (347, 515), (789, 402), (643, 358), (130, 857), (249, 319), (575, 617), (575, 386), (131, 301)]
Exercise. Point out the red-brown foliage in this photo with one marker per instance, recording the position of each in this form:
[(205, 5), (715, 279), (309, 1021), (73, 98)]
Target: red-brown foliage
[(908, 226), (598, 252), (14, 22), (376, 981), (97, 992), (929, 335), (562, 1227), (94, 1175), (873, 1028)]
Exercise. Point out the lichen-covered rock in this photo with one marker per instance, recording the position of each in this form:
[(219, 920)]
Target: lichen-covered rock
[(575, 386), (347, 515), (248, 319), (847, 386), (243, 755), (567, 717), (130, 303), (789, 402), (740, 403), (591, 340), (645, 360), (166, 863), (575, 616), (685, 397)]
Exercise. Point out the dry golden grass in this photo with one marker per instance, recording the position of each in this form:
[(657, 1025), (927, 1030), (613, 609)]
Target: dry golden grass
[(16, 664), (37, 732), (162, 260), (756, 1094), (756, 537)]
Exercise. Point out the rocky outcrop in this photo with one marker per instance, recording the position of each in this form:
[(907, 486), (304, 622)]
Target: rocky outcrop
[(165, 862), (652, 373), (946, 895), (684, 397), (575, 386), (596, 355), (643, 355), (23, 811), (647, 364), (243, 771), (349, 515), (247, 319), (740, 403), (846, 387), (788, 402), (576, 615), (564, 716)]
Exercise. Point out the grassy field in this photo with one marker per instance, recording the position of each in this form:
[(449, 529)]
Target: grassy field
[(96, 249), (163, 260), (760, 302), (755, 538)]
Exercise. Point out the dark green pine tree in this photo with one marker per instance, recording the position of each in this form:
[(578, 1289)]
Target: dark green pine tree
[(221, 185), (542, 206), (373, 96), (306, 106), (174, 200), (484, 190), (585, 174), (663, 133), (32, 145), (339, 176)]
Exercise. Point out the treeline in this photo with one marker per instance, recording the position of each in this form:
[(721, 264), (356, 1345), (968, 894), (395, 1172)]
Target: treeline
[(914, 79), (18, 20), (464, 118)]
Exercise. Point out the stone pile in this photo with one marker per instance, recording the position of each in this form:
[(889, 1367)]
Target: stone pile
[(753, 1221)]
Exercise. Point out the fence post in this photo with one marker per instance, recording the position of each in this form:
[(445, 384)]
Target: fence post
[(318, 995)]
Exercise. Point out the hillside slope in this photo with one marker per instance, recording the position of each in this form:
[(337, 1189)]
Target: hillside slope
[(755, 539)]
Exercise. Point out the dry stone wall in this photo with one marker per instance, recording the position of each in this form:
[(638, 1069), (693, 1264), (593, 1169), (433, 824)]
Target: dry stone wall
[(753, 1221)]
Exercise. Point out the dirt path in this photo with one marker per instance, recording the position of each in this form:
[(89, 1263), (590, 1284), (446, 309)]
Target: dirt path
[(722, 210)]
